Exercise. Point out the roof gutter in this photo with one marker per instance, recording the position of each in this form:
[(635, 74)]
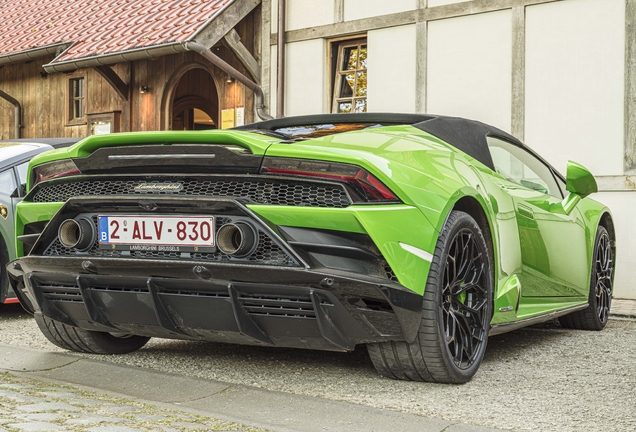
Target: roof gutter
[(33, 53), (18, 113), (112, 58), (225, 67)]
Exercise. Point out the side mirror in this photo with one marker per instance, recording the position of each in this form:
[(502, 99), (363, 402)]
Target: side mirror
[(579, 180)]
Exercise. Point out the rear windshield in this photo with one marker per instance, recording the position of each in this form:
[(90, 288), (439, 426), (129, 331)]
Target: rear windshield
[(321, 130)]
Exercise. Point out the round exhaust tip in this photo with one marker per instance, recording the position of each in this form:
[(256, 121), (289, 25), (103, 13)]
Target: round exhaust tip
[(236, 239), (77, 233)]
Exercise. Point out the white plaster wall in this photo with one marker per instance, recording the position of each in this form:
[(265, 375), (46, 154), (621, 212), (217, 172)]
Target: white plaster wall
[(469, 67), (305, 77), (391, 80), (433, 3), (357, 9), (623, 208), (304, 14), (575, 65)]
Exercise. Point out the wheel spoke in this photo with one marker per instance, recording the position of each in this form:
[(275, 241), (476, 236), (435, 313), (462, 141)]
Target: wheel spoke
[(603, 269), (465, 299)]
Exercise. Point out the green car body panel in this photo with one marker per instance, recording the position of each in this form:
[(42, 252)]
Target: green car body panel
[(541, 245)]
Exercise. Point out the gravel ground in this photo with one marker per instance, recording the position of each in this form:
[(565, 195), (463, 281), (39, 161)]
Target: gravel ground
[(542, 378)]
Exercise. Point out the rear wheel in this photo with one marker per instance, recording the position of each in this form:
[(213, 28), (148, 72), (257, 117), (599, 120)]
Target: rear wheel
[(92, 342), (601, 287), (456, 312), (4, 278)]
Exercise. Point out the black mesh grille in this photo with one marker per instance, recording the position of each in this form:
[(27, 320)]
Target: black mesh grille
[(389, 273), (267, 252), (258, 190), (61, 292), (298, 307)]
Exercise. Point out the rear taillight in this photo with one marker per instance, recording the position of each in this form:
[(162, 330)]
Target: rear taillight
[(53, 170), (365, 187)]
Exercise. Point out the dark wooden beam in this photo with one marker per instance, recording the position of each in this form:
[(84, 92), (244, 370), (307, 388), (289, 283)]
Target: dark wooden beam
[(122, 89), (233, 40)]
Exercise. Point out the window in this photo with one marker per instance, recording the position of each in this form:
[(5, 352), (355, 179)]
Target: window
[(77, 91), (521, 167), (7, 183), (22, 170), (349, 76)]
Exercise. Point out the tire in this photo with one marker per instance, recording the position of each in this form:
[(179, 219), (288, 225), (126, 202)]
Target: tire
[(595, 316), (4, 277), (456, 312), (91, 342)]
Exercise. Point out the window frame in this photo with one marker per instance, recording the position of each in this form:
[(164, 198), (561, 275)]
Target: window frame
[(336, 52), (70, 100)]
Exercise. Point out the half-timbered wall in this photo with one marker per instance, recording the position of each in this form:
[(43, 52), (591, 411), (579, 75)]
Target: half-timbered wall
[(558, 74)]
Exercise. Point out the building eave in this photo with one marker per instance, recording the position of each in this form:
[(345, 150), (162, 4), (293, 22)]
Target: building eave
[(113, 58), (34, 53)]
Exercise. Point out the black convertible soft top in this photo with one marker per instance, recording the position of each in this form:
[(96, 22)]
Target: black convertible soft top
[(466, 135)]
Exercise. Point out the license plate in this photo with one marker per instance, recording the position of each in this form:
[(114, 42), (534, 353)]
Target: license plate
[(156, 233)]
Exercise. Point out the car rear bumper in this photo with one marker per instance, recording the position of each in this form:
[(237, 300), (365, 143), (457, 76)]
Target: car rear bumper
[(261, 305)]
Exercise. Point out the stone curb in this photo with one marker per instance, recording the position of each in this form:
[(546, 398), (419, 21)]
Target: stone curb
[(237, 403)]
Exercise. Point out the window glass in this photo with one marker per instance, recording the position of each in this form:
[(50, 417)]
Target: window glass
[(522, 168), (77, 93), (22, 176), (561, 184), (7, 183), (350, 76)]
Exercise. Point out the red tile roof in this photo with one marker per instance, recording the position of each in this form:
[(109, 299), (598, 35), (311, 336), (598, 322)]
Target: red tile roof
[(101, 26)]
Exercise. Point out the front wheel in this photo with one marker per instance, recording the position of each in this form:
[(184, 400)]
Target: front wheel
[(601, 287), (91, 342), (456, 312)]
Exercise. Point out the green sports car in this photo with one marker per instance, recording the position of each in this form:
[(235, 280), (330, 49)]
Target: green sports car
[(417, 235)]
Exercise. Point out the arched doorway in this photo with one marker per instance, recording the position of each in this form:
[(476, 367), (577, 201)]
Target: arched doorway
[(190, 100)]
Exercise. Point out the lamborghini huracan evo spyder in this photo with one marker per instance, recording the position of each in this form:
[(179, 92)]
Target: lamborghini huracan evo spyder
[(416, 235)]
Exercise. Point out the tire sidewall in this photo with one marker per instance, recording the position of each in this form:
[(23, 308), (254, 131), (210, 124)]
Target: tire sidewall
[(456, 222), (593, 276)]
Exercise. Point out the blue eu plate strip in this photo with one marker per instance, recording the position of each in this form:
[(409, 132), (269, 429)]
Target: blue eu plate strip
[(103, 229)]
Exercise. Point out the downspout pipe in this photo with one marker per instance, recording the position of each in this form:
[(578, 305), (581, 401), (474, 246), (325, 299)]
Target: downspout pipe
[(280, 60), (228, 69), (18, 112)]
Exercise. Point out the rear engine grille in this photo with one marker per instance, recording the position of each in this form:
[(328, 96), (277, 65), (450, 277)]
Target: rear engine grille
[(58, 292), (258, 190)]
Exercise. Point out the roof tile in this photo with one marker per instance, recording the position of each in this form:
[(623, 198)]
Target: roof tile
[(100, 26)]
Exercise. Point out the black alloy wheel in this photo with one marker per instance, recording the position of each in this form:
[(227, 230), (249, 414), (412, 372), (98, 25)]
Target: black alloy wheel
[(456, 311), (604, 272), (465, 300), (596, 315)]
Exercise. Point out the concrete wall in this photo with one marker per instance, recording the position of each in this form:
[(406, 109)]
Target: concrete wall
[(552, 72)]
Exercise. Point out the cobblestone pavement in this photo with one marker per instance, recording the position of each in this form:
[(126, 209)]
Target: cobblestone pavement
[(540, 378), (31, 405)]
